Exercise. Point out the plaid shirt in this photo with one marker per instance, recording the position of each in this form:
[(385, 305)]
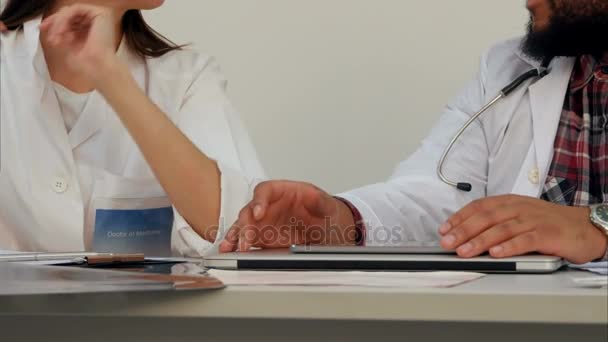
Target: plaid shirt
[(579, 172)]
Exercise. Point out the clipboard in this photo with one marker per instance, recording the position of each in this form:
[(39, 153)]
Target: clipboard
[(18, 279)]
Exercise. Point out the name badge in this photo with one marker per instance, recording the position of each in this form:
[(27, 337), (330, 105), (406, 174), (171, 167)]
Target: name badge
[(132, 226)]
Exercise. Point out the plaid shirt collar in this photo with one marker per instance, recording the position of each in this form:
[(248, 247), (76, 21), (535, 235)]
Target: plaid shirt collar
[(587, 68)]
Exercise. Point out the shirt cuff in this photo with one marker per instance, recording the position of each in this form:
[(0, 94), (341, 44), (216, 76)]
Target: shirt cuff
[(185, 242), (236, 192), (375, 234), (605, 258), (360, 229)]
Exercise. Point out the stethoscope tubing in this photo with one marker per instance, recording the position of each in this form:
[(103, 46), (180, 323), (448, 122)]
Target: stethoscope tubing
[(505, 92)]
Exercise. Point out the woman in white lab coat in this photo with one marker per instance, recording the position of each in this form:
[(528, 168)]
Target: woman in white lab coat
[(112, 137)]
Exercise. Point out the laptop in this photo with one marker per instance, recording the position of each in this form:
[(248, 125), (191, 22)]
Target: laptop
[(409, 258)]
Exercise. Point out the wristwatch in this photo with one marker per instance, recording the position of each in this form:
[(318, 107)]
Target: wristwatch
[(599, 218)]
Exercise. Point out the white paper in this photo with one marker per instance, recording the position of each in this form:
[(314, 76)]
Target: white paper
[(595, 267), (592, 282), (358, 279), (2, 251)]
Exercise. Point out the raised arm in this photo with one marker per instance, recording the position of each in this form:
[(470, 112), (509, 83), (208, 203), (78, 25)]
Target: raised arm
[(191, 179)]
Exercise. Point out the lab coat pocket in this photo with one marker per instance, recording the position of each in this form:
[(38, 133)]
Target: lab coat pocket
[(129, 216)]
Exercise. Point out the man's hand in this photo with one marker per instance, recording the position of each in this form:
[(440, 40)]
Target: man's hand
[(511, 225), (283, 213)]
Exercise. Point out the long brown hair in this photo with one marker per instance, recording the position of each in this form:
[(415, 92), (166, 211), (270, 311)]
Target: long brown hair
[(140, 37)]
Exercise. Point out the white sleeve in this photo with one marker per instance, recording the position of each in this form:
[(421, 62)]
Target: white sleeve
[(413, 203), (208, 119)]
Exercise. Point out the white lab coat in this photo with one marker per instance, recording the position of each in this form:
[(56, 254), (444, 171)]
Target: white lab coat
[(508, 151), (49, 178)]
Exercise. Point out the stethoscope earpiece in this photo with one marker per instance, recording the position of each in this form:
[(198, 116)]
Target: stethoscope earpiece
[(466, 187)]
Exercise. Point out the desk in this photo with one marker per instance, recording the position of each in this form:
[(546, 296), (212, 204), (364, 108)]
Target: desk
[(495, 308)]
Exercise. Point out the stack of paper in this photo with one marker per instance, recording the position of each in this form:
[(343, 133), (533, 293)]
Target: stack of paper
[(592, 282), (595, 267), (362, 279)]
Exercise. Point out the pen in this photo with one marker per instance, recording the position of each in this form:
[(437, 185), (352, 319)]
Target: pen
[(27, 257)]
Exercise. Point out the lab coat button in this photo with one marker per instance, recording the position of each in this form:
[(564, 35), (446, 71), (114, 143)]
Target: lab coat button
[(534, 176), (60, 185)]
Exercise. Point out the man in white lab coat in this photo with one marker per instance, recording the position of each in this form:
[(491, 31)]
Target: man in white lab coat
[(537, 161)]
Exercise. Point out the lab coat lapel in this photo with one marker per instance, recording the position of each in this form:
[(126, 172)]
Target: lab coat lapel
[(547, 100), (97, 110), (33, 57), (90, 121), (45, 105)]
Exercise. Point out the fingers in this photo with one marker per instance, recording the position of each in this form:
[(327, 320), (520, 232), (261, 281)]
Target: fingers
[(231, 240), (493, 237), (235, 238), (70, 19), (482, 205), (244, 225), (520, 245), (279, 214), (55, 26), (3, 27), (248, 235), (265, 194), (312, 198), (477, 224)]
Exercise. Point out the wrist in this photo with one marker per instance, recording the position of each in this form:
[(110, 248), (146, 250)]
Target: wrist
[(602, 244), (604, 257), (598, 235), (108, 72), (351, 222)]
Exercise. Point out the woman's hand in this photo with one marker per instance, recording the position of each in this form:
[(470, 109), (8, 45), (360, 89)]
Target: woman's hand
[(88, 34)]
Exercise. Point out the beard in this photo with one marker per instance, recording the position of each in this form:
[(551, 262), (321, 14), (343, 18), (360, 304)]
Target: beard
[(576, 27)]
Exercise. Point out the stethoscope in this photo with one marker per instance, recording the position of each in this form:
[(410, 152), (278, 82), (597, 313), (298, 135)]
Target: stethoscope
[(539, 73)]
